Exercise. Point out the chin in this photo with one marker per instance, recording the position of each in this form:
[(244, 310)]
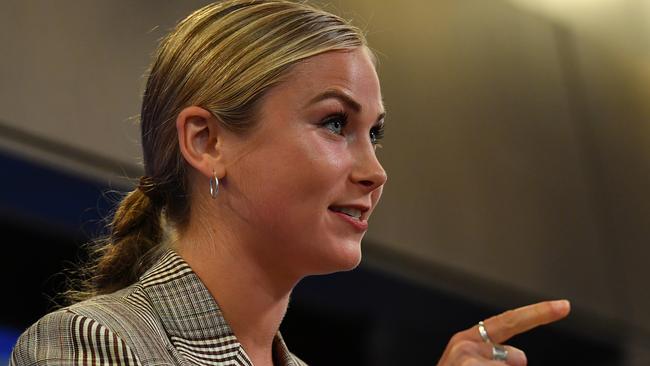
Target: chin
[(341, 260), (352, 260)]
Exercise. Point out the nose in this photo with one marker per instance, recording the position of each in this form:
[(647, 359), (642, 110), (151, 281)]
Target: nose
[(368, 171)]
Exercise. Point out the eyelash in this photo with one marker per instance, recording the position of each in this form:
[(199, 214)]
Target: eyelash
[(376, 132)]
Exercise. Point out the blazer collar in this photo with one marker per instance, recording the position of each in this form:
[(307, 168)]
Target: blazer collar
[(192, 318)]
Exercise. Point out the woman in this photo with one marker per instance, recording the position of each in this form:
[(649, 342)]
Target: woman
[(260, 121)]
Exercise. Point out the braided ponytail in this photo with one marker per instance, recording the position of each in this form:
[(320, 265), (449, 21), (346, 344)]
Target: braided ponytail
[(133, 244), (135, 232)]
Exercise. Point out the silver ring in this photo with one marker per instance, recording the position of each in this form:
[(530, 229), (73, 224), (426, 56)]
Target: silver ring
[(499, 353), (483, 332)]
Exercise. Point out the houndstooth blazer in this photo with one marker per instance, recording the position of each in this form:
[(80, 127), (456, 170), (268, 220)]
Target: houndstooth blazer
[(168, 317)]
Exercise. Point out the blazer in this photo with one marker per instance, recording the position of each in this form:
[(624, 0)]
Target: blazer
[(168, 317)]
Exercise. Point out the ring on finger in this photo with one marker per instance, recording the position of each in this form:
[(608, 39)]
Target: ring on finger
[(483, 332), (499, 353)]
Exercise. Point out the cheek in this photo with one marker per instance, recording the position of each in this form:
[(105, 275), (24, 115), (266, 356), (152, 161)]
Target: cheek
[(296, 178)]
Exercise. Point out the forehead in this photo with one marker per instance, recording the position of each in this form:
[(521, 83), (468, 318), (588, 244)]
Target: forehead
[(352, 72)]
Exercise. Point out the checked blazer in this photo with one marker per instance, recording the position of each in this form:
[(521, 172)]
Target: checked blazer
[(168, 317)]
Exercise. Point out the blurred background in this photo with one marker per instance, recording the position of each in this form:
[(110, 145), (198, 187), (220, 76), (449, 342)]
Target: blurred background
[(518, 154)]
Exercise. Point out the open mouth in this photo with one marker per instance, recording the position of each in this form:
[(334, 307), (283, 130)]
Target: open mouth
[(349, 211)]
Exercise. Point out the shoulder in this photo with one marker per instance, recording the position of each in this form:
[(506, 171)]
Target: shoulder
[(116, 328), (65, 338)]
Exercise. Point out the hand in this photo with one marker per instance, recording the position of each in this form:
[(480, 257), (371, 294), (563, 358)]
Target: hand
[(467, 348)]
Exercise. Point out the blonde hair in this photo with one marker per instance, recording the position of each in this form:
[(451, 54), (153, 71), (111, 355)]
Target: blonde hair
[(223, 57)]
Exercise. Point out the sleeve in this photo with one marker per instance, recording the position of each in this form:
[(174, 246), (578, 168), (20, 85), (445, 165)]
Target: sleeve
[(65, 338)]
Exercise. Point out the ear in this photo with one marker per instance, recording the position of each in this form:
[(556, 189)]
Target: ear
[(199, 138)]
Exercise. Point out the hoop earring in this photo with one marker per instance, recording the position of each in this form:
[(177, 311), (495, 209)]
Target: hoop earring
[(214, 186)]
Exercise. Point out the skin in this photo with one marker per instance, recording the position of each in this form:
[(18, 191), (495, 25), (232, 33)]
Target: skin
[(271, 224)]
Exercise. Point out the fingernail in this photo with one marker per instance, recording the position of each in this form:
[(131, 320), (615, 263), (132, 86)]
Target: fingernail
[(516, 356), (561, 305), (522, 357)]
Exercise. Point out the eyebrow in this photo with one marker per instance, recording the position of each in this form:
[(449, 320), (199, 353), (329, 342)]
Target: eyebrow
[(342, 97)]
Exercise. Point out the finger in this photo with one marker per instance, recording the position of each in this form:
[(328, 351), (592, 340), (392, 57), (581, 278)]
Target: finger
[(479, 362), (502, 327), (516, 357), (506, 325), (465, 350)]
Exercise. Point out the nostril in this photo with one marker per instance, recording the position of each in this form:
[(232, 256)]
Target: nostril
[(369, 179), (367, 183)]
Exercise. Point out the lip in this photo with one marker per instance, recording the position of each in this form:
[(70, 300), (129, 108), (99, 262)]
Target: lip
[(360, 225)]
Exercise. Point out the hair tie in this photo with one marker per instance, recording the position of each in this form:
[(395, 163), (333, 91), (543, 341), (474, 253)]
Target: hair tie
[(148, 186)]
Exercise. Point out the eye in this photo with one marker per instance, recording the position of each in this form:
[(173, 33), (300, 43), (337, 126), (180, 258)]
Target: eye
[(377, 133), (335, 123)]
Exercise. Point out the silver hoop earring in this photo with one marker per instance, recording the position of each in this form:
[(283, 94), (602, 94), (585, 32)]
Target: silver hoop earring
[(214, 186)]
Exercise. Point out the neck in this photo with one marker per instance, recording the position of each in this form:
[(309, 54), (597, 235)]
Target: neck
[(252, 297)]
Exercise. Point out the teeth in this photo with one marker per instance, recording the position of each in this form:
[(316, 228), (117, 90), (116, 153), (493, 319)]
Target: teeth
[(348, 211)]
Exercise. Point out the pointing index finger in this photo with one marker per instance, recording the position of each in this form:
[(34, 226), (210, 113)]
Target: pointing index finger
[(507, 325)]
